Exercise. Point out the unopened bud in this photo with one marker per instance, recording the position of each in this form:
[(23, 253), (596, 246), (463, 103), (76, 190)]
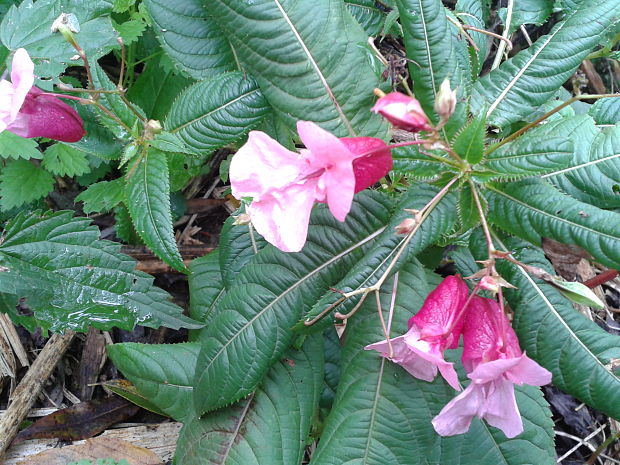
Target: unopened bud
[(67, 24), (241, 219), (151, 128), (493, 283), (445, 101), (406, 226)]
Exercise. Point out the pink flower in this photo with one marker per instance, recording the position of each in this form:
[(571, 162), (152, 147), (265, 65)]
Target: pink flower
[(29, 112), (284, 185), (435, 328), (495, 363), (403, 112)]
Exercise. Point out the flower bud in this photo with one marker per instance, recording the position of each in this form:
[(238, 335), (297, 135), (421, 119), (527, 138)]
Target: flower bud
[(242, 219), (403, 112), (406, 226), (445, 101), (67, 24)]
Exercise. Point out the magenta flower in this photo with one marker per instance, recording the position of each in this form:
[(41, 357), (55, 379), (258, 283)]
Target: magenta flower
[(495, 363), (29, 112), (435, 328), (284, 185), (403, 112)]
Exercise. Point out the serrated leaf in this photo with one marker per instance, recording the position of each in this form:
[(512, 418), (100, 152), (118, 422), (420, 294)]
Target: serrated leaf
[(253, 322), (123, 226), (189, 36), (572, 347), (475, 13), (412, 163), (73, 280), (527, 12), (606, 111), (216, 112), (121, 6), (437, 53), (469, 216), (130, 31), (331, 378), (28, 26), (206, 288), (169, 142), (530, 155), (21, 182), (64, 160), (98, 141), (162, 373), (102, 196), (368, 14), (13, 146), (469, 143), (370, 268), (327, 76), (238, 244), (148, 202), (271, 426), (382, 414), (526, 80), (532, 209)]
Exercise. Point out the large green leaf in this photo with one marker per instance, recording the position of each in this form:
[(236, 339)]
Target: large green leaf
[(28, 26), (371, 267), (527, 12), (475, 13), (606, 111), (148, 195), (252, 324), (432, 43), (190, 38), (565, 342), (309, 59), (382, 414), (369, 14), (530, 156), (217, 112), (73, 280), (205, 286), (162, 373), (270, 426), (532, 209), (527, 80)]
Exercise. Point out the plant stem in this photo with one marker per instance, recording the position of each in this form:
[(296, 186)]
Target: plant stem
[(483, 220), (547, 115), (502, 45), (599, 450)]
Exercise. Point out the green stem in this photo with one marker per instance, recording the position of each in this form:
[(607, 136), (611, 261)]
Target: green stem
[(502, 45)]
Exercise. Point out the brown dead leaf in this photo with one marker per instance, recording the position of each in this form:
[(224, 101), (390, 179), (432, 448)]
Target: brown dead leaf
[(564, 257), (93, 449), (81, 421)]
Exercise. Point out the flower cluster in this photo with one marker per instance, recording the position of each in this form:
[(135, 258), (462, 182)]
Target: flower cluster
[(491, 357), (27, 111)]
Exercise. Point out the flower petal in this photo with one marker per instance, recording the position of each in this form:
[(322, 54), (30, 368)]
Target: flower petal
[(22, 78), (325, 148), (415, 365), (501, 408), (282, 217), (455, 417), (368, 169), (262, 165), (527, 371), (338, 182)]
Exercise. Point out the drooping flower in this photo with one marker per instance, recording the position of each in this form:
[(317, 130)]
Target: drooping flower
[(495, 363), (403, 112), (284, 185), (435, 328), (29, 112)]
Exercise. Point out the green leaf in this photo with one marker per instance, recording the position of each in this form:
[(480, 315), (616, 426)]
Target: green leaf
[(532, 209), (469, 216), (371, 267), (309, 59), (64, 160), (169, 142), (148, 195), (28, 26), (270, 426), (216, 112), (530, 155), (606, 111), (190, 37), (130, 31), (21, 182), (205, 286), (331, 379), (437, 53), (102, 196), (368, 14), (124, 228), (238, 244), (527, 80), (527, 12), (98, 141), (411, 162), (73, 280), (12, 146), (162, 373), (469, 143), (475, 13), (565, 342), (121, 6), (578, 292), (252, 324)]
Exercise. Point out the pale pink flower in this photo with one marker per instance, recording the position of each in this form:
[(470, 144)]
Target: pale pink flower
[(403, 112), (495, 363), (284, 185), (435, 328), (27, 111)]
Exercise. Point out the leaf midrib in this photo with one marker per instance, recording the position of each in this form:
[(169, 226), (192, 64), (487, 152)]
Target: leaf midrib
[(583, 165)]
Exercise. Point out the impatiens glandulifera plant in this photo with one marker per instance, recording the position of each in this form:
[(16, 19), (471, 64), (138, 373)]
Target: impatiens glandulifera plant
[(491, 155)]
